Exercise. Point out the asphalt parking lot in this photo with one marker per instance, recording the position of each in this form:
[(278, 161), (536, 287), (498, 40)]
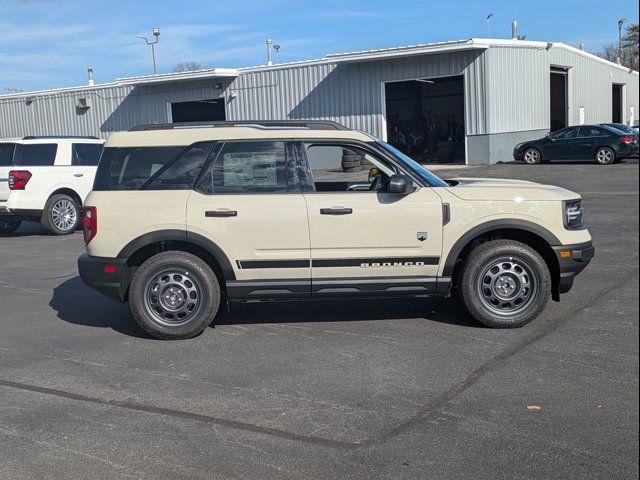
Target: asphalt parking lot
[(333, 390)]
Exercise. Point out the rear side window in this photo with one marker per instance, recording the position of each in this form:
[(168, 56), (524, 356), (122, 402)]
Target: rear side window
[(86, 154), (182, 172), (6, 154), (130, 168), (37, 155), (591, 132), (246, 167)]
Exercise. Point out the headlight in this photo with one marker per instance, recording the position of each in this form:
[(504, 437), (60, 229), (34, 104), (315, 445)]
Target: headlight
[(573, 215)]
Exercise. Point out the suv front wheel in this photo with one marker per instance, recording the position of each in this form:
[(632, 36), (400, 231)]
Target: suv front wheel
[(504, 284), (174, 295), (61, 215)]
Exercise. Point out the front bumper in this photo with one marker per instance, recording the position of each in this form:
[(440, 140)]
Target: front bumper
[(572, 259), (111, 282)]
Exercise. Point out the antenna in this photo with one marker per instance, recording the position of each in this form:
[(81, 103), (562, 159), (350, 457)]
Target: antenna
[(488, 19)]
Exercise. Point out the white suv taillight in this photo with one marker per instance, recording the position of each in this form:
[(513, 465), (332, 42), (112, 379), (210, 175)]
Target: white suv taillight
[(89, 223), (18, 179)]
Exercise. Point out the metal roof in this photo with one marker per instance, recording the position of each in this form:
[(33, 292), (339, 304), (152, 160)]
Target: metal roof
[(356, 56)]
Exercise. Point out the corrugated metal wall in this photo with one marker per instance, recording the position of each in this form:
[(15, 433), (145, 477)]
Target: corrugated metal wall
[(590, 86), (349, 93), (517, 89)]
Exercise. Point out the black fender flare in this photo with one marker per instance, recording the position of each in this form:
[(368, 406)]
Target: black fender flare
[(507, 224), (181, 236)]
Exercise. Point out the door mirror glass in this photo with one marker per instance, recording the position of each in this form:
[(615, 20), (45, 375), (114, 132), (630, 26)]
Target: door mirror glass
[(400, 184)]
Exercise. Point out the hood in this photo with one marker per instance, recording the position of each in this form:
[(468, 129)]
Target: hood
[(498, 189)]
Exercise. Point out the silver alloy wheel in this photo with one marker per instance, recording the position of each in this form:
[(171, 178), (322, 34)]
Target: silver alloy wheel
[(604, 155), (507, 286), (64, 215), (531, 155), (173, 297)]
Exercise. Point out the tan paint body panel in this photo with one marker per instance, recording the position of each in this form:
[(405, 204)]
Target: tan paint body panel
[(381, 226), (267, 227)]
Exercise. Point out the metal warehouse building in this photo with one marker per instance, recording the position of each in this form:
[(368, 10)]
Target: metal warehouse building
[(468, 100)]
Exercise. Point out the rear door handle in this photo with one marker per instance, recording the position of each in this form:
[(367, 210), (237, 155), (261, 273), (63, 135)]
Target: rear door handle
[(336, 211), (221, 213)]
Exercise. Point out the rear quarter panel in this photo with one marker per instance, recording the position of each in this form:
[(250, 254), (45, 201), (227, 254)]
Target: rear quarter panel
[(123, 216)]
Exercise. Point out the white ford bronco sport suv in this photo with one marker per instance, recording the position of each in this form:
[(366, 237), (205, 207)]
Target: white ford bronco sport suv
[(46, 179), (182, 217)]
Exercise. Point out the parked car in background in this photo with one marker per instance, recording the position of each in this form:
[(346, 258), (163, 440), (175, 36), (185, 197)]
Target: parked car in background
[(602, 143), (626, 128), (46, 179)]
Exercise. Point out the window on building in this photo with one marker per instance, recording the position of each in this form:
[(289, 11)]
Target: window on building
[(244, 167)]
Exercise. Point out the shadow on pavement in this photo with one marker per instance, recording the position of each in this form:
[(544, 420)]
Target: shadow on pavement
[(76, 303)]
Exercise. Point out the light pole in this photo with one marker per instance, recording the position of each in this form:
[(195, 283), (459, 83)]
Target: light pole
[(488, 19), (156, 33), (270, 46), (619, 55)]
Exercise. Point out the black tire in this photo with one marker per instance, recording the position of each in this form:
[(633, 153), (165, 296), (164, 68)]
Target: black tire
[(352, 158), (357, 168), (349, 164), (510, 294), (531, 156), (605, 156), (185, 279), (61, 215), (8, 225)]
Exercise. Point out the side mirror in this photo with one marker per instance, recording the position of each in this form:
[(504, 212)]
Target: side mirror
[(400, 184)]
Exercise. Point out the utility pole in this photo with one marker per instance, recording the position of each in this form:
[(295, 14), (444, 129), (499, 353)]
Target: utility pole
[(619, 55), (156, 34)]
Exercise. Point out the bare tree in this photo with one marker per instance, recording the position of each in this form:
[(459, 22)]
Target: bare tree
[(12, 90), (629, 51), (187, 67)]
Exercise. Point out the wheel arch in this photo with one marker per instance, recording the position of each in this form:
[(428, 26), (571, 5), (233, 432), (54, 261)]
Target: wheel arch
[(535, 236), (67, 191), (144, 247)]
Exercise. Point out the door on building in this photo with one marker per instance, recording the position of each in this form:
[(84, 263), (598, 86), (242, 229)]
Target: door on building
[(558, 99), (198, 111), (425, 118), (616, 103)]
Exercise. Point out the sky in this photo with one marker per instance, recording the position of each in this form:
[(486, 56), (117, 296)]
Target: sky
[(50, 43)]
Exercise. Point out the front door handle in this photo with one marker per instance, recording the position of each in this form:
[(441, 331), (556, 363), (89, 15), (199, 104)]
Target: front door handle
[(221, 213), (336, 211), (78, 175)]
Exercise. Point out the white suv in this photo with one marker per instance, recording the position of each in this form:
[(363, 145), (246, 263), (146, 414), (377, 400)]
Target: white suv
[(46, 179)]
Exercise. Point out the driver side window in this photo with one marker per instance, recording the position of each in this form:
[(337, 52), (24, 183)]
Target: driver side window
[(345, 168)]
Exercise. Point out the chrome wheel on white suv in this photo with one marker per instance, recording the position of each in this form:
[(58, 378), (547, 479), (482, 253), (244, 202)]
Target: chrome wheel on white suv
[(61, 215)]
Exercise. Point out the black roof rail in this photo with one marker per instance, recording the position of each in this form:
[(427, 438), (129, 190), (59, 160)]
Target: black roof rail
[(53, 137), (308, 124)]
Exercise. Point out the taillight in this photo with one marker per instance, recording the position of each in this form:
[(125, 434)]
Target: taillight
[(89, 223), (627, 140), (18, 179)]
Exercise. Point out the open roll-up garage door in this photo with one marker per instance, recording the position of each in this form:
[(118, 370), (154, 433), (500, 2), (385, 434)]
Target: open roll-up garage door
[(425, 118)]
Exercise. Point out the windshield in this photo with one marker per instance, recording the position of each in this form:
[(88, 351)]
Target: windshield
[(413, 166), (6, 154)]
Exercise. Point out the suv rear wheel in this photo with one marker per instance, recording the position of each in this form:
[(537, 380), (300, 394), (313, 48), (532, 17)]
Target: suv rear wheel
[(504, 284), (9, 226), (174, 295), (61, 215)]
